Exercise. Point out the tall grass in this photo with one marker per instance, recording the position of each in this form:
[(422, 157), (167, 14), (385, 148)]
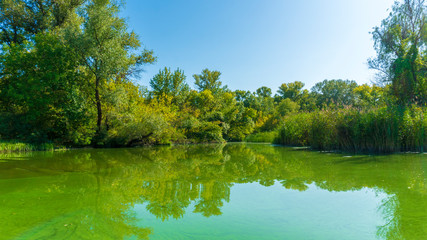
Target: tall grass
[(262, 137), (13, 146), (380, 130)]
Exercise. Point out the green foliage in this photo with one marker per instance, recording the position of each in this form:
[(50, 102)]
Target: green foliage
[(105, 47), (400, 44), (43, 97), (413, 129), (295, 130), (14, 146), (65, 70), (368, 96), (166, 83), (22, 20), (205, 132), (130, 122), (263, 92), (307, 101), (294, 91), (386, 129), (240, 128), (291, 90), (208, 80), (262, 137), (335, 93), (63, 56), (222, 110), (287, 106), (242, 96)]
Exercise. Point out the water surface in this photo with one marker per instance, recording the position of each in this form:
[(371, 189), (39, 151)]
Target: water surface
[(234, 191)]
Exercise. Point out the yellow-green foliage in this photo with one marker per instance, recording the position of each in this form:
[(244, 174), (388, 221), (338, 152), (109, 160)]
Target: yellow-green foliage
[(264, 137), (205, 132), (295, 129), (60, 83), (413, 129), (131, 121), (368, 96)]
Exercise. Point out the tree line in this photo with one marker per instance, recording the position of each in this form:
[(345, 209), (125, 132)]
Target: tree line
[(66, 71), (392, 118)]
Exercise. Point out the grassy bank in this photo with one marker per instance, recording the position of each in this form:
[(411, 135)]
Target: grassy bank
[(379, 130), (14, 146), (262, 137)]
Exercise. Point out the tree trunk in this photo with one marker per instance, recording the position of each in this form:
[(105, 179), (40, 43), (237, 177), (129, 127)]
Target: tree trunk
[(98, 105)]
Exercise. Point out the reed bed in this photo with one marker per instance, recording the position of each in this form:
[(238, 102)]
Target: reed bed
[(378, 130), (262, 137), (14, 146)]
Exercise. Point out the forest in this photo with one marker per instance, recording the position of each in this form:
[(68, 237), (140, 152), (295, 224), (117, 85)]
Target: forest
[(69, 70)]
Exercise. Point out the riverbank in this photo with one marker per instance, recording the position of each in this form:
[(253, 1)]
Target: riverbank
[(378, 130), (16, 146)]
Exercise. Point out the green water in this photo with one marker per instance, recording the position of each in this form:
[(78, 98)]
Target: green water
[(234, 191)]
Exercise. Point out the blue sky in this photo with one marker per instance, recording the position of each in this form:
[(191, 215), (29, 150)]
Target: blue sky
[(256, 43)]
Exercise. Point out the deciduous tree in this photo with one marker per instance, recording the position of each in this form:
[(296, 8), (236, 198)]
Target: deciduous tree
[(106, 47), (208, 80), (400, 43)]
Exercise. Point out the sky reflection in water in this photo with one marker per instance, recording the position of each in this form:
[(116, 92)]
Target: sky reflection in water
[(234, 191)]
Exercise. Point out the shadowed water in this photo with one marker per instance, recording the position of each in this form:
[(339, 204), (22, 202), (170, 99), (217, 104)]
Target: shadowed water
[(234, 191)]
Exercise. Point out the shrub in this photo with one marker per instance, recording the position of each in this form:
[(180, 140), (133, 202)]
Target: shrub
[(205, 132)]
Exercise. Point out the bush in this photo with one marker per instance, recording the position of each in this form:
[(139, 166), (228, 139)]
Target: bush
[(144, 124), (205, 132)]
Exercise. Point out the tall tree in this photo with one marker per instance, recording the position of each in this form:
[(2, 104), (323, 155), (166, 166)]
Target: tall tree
[(400, 43), (169, 83), (106, 48), (43, 95), (335, 92), (21, 20), (291, 90), (241, 95), (368, 96), (263, 92), (208, 80)]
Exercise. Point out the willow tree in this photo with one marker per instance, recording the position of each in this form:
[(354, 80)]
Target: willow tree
[(107, 49), (400, 43), (21, 20)]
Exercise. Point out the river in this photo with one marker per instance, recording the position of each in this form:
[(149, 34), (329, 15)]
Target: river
[(218, 191)]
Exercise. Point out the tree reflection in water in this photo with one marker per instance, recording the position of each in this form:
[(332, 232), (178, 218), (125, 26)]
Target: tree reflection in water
[(81, 194)]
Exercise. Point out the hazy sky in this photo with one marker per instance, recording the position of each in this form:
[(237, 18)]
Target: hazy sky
[(256, 43)]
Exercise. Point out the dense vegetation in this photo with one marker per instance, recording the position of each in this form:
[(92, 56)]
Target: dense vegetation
[(66, 70), (371, 118)]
